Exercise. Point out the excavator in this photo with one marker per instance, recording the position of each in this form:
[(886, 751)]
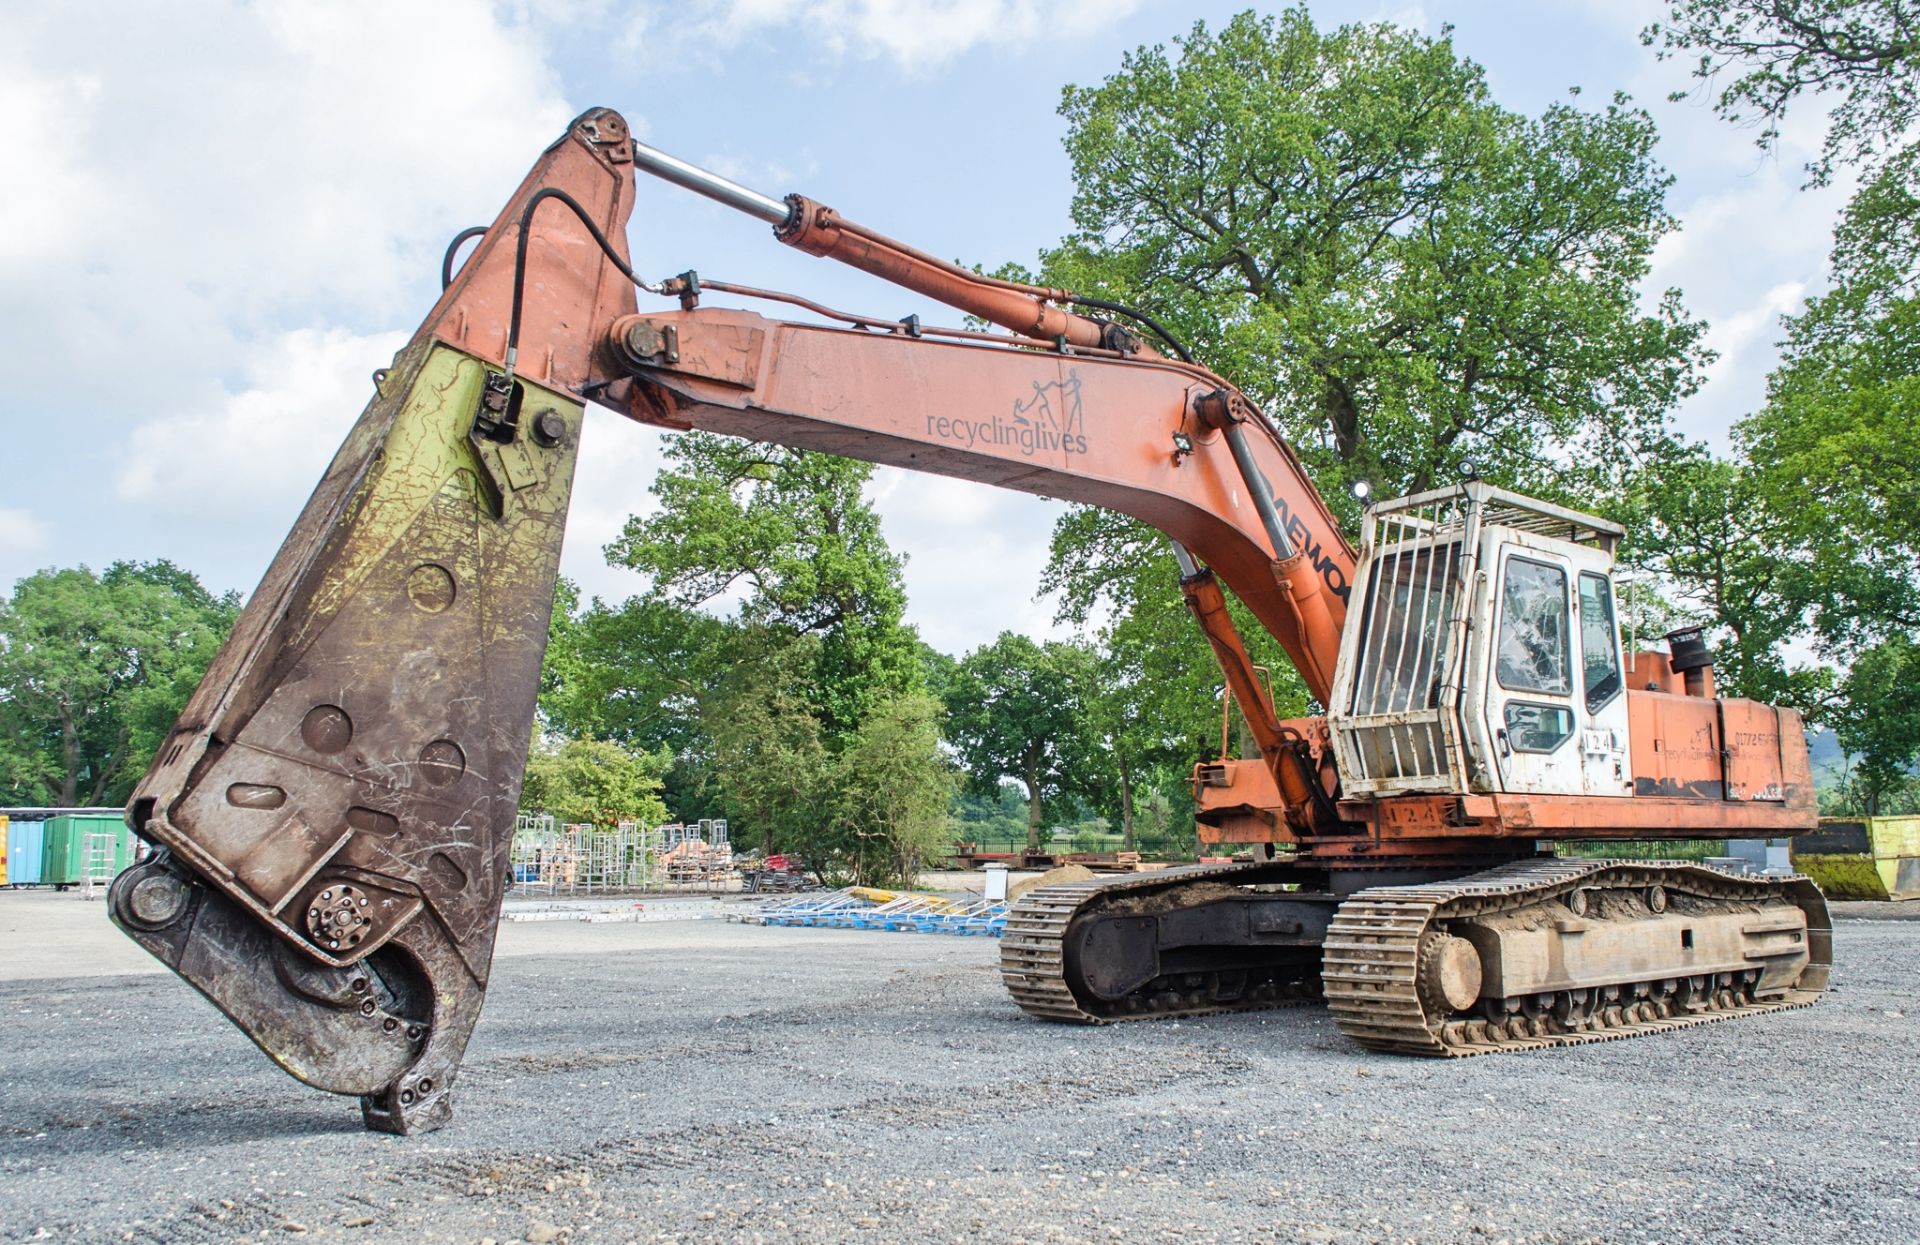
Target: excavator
[(331, 816)]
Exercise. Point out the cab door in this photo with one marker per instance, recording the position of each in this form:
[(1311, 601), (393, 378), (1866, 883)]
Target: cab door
[(1533, 697), (1605, 758)]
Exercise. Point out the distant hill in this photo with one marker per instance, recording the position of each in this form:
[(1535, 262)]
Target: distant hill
[(1829, 762)]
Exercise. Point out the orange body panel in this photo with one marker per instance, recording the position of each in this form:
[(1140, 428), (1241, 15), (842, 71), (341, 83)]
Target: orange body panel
[(1703, 769), (1675, 746), (1712, 749), (570, 287), (1756, 750)]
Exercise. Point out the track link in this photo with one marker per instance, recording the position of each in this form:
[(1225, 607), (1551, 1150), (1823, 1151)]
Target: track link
[(1033, 950), (1371, 964)]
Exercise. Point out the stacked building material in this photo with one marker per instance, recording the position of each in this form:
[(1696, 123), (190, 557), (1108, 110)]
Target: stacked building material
[(859, 907)]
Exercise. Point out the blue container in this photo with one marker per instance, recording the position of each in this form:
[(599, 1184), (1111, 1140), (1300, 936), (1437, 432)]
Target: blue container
[(26, 852)]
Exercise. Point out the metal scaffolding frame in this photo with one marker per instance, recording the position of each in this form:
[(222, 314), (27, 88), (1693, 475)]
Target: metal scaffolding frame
[(555, 859)]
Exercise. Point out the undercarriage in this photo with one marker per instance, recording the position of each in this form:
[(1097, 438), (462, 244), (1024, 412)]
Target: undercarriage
[(1532, 953)]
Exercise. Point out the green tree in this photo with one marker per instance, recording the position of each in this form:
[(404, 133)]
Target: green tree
[(1732, 559), (758, 557), (1837, 445), (894, 786), (594, 782), (1117, 581), (1879, 726), (771, 759), (1829, 461), (636, 673), (788, 534), (93, 672), (988, 816), (1759, 56), (1402, 272), (872, 806), (1019, 710)]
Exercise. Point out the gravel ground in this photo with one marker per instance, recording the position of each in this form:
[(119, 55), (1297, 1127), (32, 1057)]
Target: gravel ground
[(700, 1080)]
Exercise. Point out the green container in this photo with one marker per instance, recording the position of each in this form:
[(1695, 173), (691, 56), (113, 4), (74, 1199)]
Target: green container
[(68, 837)]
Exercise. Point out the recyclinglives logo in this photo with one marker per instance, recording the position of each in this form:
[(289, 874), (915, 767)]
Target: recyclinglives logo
[(1048, 422)]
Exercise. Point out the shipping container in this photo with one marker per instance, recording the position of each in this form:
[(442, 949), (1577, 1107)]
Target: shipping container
[(26, 851), (79, 843)]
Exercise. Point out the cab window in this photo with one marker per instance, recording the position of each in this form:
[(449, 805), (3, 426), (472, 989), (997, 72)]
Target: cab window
[(1599, 651), (1537, 728), (1534, 647)]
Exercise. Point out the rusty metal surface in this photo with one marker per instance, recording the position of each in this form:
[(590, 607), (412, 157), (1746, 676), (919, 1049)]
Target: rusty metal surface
[(1757, 945), (1052, 947), (337, 800)]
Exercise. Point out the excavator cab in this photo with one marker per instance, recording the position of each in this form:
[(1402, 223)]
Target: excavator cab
[(1484, 655)]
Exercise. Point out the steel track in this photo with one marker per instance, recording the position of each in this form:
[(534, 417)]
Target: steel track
[(1370, 965), (1372, 957), (1033, 959)]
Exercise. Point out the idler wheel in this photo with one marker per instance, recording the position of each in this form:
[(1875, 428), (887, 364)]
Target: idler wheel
[(1450, 973)]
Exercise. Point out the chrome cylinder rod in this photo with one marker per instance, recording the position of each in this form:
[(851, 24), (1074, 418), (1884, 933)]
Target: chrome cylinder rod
[(712, 185), (1258, 490)]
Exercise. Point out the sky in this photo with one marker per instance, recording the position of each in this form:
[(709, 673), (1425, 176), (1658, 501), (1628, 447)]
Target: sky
[(222, 217)]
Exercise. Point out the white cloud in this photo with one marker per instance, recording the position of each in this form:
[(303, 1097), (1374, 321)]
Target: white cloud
[(264, 447), (1755, 327), (916, 35), (618, 461), (203, 176), (1752, 243), (21, 533), (224, 216), (1409, 16), (975, 554)]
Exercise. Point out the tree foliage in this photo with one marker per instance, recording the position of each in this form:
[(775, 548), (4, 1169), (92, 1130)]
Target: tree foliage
[(93, 672), (894, 784), (770, 757), (1837, 445), (1758, 57), (1019, 710), (1879, 725), (1824, 498), (787, 535), (766, 654), (1732, 560), (594, 782), (1156, 708), (872, 806), (1403, 272)]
